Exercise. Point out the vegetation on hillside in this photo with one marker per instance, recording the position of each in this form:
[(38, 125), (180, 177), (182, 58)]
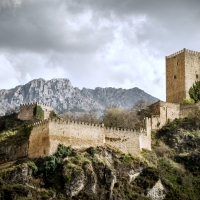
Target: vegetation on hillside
[(174, 160), (13, 130), (194, 91)]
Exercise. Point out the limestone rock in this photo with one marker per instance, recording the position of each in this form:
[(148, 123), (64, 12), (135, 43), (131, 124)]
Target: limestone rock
[(63, 97), (157, 192)]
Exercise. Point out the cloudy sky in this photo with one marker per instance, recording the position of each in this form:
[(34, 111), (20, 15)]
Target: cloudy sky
[(106, 43)]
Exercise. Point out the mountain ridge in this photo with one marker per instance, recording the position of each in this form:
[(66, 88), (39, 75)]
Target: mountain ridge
[(64, 97)]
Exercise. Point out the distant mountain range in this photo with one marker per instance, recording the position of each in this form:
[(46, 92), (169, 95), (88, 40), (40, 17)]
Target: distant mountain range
[(63, 97)]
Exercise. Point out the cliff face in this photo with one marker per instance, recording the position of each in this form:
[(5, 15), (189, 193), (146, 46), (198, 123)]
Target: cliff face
[(62, 96), (100, 173)]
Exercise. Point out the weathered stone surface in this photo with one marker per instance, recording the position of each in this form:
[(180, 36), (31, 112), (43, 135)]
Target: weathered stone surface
[(62, 96), (157, 192), (182, 70)]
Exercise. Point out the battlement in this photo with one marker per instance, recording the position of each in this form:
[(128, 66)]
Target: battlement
[(176, 53), (36, 103), (181, 51), (47, 134), (27, 109), (107, 129)]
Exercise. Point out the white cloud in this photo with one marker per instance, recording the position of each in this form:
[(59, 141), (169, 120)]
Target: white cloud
[(8, 75)]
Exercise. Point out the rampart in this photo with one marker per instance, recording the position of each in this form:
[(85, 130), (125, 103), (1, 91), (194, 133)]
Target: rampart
[(26, 110), (129, 140), (162, 113), (46, 136)]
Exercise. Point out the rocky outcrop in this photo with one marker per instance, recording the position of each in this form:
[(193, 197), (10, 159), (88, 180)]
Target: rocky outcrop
[(63, 97), (157, 192)]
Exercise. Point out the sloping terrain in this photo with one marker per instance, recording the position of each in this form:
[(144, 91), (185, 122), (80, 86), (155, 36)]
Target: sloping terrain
[(169, 171), (63, 97)]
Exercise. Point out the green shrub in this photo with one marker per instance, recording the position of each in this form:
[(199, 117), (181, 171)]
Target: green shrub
[(188, 101), (53, 114), (38, 113), (127, 158), (92, 151), (33, 166), (194, 91), (51, 162)]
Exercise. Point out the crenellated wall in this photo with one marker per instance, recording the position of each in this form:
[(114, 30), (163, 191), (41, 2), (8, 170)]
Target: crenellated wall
[(26, 110), (39, 142), (46, 136), (162, 113), (130, 140), (126, 140), (77, 134)]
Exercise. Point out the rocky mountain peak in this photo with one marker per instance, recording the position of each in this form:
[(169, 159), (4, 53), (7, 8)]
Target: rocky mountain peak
[(64, 97)]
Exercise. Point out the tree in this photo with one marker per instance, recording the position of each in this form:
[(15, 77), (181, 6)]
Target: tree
[(117, 117), (141, 104), (89, 117), (194, 91)]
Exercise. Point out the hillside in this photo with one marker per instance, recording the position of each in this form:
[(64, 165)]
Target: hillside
[(63, 97), (169, 171)]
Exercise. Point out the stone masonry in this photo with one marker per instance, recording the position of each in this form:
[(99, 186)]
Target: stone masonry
[(182, 70), (26, 110), (47, 134)]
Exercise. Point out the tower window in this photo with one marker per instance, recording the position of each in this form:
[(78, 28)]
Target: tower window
[(177, 63), (174, 76), (197, 76)]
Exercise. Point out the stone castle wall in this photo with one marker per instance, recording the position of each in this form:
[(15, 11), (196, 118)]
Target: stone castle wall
[(26, 110), (46, 136), (145, 136), (125, 140), (39, 142), (162, 113), (78, 135), (192, 69)]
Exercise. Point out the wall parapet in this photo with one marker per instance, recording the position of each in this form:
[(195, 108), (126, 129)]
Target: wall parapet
[(35, 103), (176, 53), (181, 51)]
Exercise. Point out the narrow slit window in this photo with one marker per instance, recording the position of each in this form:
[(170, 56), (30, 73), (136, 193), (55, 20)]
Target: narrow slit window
[(197, 76), (174, 76)]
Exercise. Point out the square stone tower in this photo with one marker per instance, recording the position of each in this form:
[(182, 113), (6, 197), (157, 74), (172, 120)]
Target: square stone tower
[(26, 110), (182, 70)]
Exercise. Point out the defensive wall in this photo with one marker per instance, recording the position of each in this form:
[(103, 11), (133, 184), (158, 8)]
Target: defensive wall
[(46, 136), (164, 112), (26, 110)]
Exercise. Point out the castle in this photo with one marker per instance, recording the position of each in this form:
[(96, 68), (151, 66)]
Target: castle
[(182, 70), (47, 134)]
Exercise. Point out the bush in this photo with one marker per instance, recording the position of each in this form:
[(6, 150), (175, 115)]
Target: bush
[(38, 113), (194, 91), (52, 162), (127, 158), (53, 114), (33, 166), (188, 101), (91, 151)]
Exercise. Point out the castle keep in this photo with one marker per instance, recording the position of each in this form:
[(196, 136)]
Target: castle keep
[(182, 71)]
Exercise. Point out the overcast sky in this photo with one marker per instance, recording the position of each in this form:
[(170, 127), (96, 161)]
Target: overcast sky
[(106, 43)]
